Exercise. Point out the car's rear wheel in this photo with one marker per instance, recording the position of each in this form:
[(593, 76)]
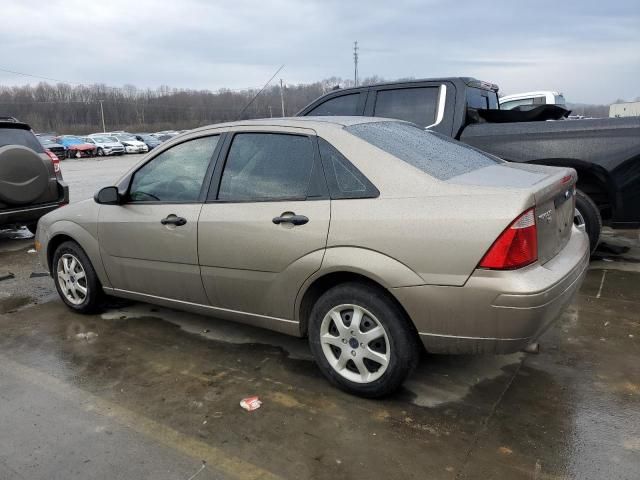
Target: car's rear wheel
[(75, 278), (587, 217), (361, 340)]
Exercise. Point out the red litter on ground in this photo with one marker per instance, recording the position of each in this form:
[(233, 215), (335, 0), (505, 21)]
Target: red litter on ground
[(250, 403)]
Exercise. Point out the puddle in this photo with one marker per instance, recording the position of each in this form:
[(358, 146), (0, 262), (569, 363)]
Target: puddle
[(214, 328), (441, 379)]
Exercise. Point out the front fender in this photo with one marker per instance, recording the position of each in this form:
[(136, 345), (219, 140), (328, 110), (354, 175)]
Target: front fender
[(52, 235)]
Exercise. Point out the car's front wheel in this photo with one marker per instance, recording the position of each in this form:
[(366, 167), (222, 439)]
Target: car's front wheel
[(100, 152), (361, 340), (75, 278)]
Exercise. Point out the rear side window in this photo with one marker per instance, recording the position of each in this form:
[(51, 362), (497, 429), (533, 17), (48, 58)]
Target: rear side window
[(267, 166), (480, 98), (416, 105), (338, 106), (344, 180), (431, 152), (18, 136)]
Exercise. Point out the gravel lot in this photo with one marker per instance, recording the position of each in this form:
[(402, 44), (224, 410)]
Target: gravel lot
[(144, 392)]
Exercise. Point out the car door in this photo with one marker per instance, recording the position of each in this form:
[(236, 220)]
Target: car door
[(264, 228), (149, 243)]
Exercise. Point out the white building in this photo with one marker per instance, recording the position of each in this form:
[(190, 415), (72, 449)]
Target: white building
[(625, 109)]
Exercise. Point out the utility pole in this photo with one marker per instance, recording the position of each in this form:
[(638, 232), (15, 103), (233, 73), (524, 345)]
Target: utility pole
[(104, 129), (355, 63), (270, 112), (282, 97)]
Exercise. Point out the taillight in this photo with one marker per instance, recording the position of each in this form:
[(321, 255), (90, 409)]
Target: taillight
[(54, 160), (516, 247)]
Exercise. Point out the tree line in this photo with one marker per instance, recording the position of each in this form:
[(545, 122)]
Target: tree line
[(76, 109)]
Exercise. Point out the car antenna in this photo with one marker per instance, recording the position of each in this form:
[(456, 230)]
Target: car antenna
[(257, 94)]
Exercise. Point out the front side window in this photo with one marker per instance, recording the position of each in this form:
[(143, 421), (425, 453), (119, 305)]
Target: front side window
[(267, 166), (416, 105), (343, 105), (176, 175)]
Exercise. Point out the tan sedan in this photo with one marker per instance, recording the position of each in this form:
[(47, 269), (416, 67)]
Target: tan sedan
[(372, 237)]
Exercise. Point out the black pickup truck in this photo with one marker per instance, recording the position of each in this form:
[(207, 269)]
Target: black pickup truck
[(605, 152)]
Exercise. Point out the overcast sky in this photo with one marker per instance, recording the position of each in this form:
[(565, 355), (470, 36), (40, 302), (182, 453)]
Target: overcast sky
[(590, 50)]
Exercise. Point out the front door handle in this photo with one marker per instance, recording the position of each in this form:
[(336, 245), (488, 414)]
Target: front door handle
[(173, 220), (290, 218)]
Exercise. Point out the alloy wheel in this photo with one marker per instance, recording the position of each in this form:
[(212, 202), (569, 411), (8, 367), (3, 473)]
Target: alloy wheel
[(72, 279), (355, 343)]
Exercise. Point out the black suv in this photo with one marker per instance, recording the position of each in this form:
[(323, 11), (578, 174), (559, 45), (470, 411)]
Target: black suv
[(31, 183)]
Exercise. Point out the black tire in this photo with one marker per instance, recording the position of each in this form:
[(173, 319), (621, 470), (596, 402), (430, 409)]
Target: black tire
[(404, 347), (95, 295), (591, 217), (32, 227), (100, 152)]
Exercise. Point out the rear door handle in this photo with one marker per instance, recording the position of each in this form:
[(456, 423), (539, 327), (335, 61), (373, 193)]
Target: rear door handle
[(293, 219), (173, 220)]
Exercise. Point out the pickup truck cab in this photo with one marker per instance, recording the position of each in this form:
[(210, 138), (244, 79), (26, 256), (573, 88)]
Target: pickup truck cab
[(604, 152)]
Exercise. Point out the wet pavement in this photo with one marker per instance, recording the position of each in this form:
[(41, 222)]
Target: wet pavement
[(140, 391)]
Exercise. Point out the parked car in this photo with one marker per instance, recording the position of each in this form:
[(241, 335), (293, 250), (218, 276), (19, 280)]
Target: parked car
[(544, 97), (604, 152), (77, 147), (393, 246), (149, 140), (131, 144), (31, 183), (105, 145), (56, 148)]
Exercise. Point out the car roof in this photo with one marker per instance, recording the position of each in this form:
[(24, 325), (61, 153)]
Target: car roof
[(310, 122)]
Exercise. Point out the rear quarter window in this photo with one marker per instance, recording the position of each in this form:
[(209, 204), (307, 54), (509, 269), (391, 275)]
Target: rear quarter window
[(18, 136), (431, 152)]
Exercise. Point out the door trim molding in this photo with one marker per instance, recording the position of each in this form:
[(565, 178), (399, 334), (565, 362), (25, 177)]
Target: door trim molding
[(290, 327)]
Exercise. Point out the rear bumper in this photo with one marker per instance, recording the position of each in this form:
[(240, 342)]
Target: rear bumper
[(497, 311), (31, 213)]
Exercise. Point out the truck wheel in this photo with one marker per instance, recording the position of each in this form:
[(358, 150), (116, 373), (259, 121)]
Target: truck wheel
[(360, 339), (587, 216)]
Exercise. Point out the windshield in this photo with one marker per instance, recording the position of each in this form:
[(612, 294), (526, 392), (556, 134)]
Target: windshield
[(101, 139), (126, 138), (18, 136), (433, 153)]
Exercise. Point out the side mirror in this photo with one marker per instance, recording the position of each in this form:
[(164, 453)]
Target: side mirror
[(107, 196)]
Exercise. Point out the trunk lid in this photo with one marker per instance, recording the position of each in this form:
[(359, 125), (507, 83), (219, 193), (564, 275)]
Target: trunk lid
[(553, 192)]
